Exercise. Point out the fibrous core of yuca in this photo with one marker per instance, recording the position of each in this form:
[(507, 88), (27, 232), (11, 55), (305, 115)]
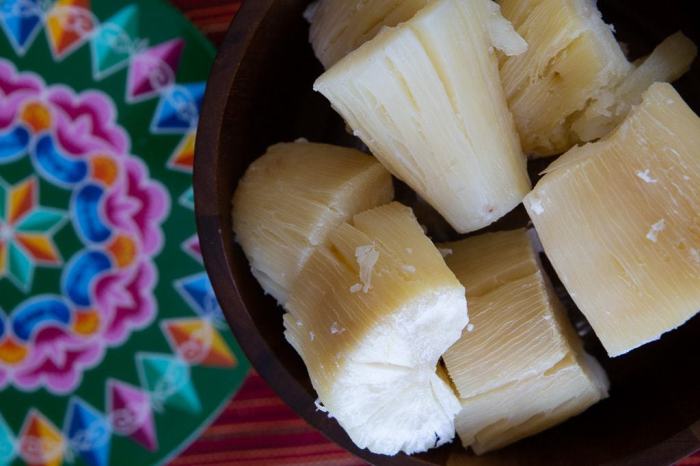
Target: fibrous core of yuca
[(669, 61), (427, 100), (519, 367), (292, 196), (620, 221), (370, 314), (575, 84), (572, 57), (340, 26)]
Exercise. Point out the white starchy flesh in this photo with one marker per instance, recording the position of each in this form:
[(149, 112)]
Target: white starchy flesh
[(625, 248), (292, 196), (519, 326), (668, 62), (572, 58), (502, 33), (373, 356), (521, 409), (427, 100), (340, 26)]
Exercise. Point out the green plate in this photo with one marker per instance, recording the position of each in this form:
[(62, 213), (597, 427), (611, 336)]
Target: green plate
[(113, 349)]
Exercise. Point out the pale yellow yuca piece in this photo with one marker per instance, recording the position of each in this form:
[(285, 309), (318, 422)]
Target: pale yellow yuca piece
[(370, 315), (668, 62), (521, 409), (572, 57), (519, 367), (291, 197), (620, 221), (517, 325), (340, 26), (427, 100)]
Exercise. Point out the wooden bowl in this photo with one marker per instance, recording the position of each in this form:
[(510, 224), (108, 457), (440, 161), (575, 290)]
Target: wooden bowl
[(260, 93)]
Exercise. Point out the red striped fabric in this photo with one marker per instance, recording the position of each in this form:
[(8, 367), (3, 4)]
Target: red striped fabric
[(257, 428), (212, 17)]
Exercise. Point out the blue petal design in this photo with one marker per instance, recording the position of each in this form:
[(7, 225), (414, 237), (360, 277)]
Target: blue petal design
[(199, 294), (13, 144), (30, 317), (86, 210), (178, 109), (80, 274), (21, 20), (88, 432), (57, 167)]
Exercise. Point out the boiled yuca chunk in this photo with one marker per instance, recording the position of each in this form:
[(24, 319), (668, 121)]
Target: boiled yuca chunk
[(292, 196), (519, 367), (620, 221), (340, 26), (370, 314), (530, 406), (572, 57), (427, 100), (518, 327)]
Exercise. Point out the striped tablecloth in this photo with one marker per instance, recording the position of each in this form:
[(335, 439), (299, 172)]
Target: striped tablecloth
[(257, 428)]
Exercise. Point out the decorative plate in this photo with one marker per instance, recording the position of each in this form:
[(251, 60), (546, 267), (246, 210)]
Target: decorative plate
[(113, 349)]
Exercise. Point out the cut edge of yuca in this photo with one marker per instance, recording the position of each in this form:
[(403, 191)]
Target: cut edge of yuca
[(371, 314)]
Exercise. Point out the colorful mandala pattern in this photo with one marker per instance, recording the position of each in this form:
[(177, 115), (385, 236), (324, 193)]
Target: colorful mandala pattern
[(89, 271), (74, 143)]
